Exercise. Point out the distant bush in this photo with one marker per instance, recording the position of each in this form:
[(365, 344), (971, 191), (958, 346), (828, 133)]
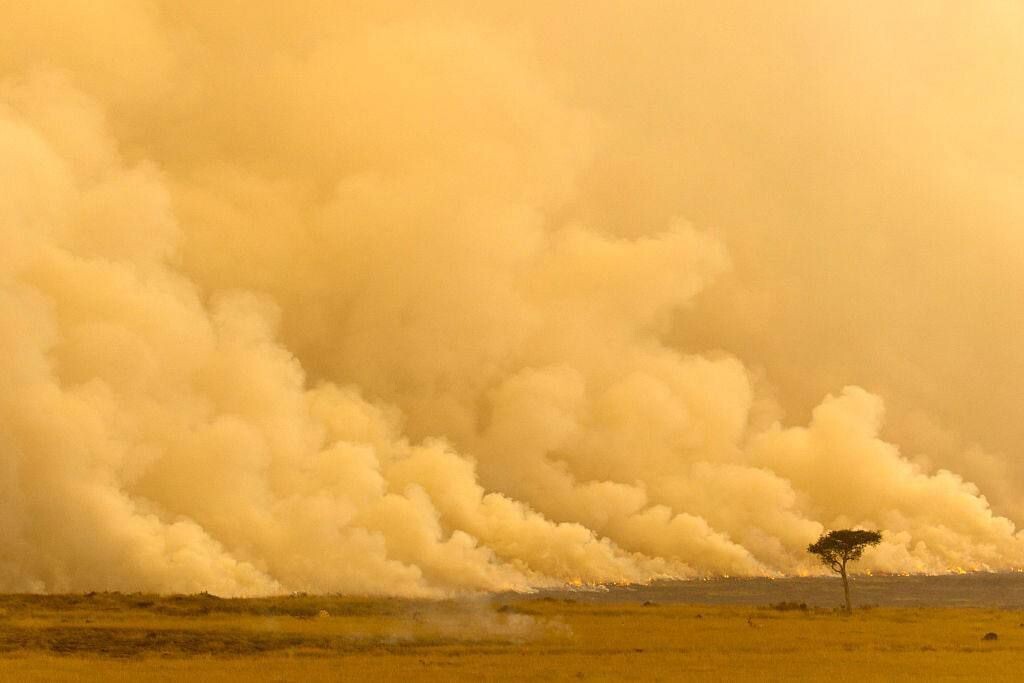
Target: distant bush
[(789, 606)]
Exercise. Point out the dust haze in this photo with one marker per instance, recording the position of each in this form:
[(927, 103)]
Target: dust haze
[(434, 298)]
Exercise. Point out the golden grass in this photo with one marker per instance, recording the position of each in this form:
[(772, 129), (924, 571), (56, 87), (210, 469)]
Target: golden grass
[(119, 637)]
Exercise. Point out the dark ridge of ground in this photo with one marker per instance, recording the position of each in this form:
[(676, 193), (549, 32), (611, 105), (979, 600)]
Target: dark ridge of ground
[(975, 589), (991, 590), (131, 642), (122, 642)]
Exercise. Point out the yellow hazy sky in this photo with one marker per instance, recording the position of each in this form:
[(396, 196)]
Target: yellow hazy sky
[(419, 298)]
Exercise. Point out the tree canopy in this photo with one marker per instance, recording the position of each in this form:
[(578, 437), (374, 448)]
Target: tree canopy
[(836, 548)]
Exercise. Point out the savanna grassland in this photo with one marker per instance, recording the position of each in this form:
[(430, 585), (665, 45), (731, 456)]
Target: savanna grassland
[(142, 637)]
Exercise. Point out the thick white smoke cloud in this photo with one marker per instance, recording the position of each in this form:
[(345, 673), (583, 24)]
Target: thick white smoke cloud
[(343, 300)]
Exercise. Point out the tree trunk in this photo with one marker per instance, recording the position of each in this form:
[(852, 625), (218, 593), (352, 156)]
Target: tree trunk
[(846, 590)]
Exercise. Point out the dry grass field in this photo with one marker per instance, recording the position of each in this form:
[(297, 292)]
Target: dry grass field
[(141, 637)]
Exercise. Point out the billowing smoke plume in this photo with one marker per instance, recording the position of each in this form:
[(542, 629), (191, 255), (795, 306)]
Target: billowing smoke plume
[(415, 300)]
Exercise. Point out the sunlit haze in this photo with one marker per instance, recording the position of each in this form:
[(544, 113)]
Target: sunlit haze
[(426, 298)]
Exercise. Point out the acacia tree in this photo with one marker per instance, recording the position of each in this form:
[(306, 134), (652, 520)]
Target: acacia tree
[(836, 548)]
